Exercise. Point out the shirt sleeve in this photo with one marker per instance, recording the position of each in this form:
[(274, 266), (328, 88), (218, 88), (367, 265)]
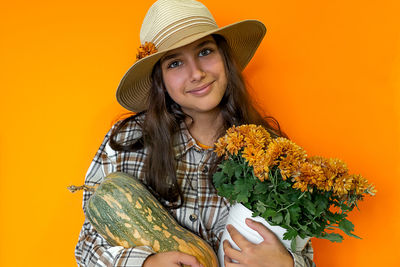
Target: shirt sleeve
[(92, 249), (305, 257)]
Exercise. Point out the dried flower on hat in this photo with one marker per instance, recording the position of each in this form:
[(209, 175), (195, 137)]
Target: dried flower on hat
[(145, 50)]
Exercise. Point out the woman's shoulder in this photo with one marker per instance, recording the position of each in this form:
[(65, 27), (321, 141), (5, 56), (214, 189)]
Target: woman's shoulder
[(128, 129)]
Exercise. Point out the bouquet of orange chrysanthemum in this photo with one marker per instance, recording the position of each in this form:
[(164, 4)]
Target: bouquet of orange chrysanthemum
[(275, 179)]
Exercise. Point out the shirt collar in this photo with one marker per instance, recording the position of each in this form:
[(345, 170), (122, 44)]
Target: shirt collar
[(183, 141)]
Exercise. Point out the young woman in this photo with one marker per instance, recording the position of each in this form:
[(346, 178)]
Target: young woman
[(186, 90)]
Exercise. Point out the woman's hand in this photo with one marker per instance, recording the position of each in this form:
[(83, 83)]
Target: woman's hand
[(171, 259), (268, 253)]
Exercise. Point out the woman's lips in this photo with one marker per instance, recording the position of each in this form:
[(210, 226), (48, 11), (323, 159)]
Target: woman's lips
[(201, 90)]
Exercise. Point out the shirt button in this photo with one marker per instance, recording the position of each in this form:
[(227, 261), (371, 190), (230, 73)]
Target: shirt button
[(193, 217), (205, 169)]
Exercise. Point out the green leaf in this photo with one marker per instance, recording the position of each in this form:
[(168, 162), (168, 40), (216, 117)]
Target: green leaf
[(238, 171), (293, 245), (226, 191), (302, 227), (346, 226), (228, 167), (283, 185), (353, 235), (260, 188), (243, 190), (277, 218), (258, 198), (242, 186), (268, 213), (309, 206), (322, 203), (283, 198), (333, 237), (334, 217), (290, 234), (287, 218), (260, 207), (294, 213), (315, 225), (242, 197), (218, 179)]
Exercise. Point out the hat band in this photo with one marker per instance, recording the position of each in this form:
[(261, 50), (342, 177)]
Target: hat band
[(182, 29)]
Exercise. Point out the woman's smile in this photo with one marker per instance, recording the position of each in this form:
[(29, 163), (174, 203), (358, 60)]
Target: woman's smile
[(201, 90)]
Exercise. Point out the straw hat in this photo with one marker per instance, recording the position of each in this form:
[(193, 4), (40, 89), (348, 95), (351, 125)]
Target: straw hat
[(171, 24)]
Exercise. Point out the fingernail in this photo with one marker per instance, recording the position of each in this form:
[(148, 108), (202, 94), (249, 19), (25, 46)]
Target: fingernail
[(248, 220), (228, 227)]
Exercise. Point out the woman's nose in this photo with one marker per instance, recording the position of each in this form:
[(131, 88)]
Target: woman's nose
[(197, 72)]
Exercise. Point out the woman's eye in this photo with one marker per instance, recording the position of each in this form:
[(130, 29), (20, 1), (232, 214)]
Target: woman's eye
[(205, 52), (174, 64)]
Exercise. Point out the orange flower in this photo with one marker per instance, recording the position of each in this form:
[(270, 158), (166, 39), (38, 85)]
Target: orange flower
[(313, 173), (335, 167), (252, 154), (318, 160), (221, 145), (323, 182), (145, 50), (238, 137), (234, 143), (255, 136), (257, 158), (310, 175), (251, 140), (342, 185), (303, 186), (361, 186), (287, 155)]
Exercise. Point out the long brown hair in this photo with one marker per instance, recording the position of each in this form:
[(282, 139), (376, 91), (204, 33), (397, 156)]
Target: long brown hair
[(163, 117)]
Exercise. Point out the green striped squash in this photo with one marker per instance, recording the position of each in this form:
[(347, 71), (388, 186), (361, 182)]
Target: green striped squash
[(126, 214)]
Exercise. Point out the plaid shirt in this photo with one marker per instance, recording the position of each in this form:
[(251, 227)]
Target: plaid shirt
[(203, 211)]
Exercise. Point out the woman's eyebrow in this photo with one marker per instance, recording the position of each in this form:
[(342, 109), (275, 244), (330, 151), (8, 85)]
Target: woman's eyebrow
[(169, 57), (206, 42)]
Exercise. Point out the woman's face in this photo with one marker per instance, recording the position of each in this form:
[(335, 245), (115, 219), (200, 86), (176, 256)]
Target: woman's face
[(194, 76)]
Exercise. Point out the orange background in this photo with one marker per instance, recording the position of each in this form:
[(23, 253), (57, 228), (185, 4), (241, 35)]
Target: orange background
[(327, 70)]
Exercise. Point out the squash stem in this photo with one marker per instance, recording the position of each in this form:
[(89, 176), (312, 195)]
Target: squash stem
[(74, 188)]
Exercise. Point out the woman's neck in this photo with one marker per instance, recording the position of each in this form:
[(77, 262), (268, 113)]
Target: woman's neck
[(205, 126)]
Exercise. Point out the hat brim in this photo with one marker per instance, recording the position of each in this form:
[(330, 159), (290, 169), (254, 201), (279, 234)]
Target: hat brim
[(243, 37)]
